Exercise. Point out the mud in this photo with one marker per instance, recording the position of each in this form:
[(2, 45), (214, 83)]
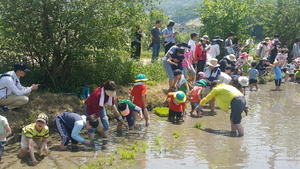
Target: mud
[(271, 140)]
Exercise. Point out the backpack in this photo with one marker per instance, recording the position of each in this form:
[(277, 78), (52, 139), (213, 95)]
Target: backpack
[(4, 74)]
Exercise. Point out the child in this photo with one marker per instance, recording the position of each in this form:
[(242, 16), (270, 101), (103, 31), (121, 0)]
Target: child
[(188, 66), (282, 56), (181, 83), (138, 96), (128, 109), (291, 69), (176, 106), (196, 95), (240, 62), (278, 75), (5, 131), (69, 126), (253, 73), (199, 76), (37, 132)]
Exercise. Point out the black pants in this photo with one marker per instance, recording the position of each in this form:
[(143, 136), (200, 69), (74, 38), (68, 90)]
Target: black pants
[(136, 50), (200, 65), (168, 46)]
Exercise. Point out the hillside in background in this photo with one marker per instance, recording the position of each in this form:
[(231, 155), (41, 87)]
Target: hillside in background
[(171, 6), (186, 13)]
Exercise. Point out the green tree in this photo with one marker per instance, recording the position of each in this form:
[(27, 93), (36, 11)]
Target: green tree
[(186, 13), (59, 36)]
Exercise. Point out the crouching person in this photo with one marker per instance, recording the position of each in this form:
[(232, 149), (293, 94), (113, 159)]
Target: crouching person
[(69, 126), (37, 132), (129, 111)]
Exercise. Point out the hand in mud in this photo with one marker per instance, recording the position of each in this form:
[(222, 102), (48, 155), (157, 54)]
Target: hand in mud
[(34, 162), (87, 142), (141, 117), (100, 127), (126, 126)]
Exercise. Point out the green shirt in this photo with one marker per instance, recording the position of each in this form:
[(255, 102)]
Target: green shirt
[(131, 106), (3, 123), (183, 87)]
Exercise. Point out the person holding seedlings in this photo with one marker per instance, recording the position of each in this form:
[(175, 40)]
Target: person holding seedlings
[(176, 106), (129, 111), (37, 132), (240, 62), (5, 131), (138, 96), (253, 73), (196, 95), (69, 126), (94, 106), (227, 96)]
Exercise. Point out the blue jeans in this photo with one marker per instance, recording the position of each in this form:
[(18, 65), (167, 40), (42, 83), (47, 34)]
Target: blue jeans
[(168, 69), (103, 118), (2, 145), (155, 51), (194, 105)]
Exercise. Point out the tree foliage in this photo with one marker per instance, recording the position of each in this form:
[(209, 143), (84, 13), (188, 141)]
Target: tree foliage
[(186, 13), (59, 36)]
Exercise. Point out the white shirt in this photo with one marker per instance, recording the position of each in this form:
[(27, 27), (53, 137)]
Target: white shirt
[(225, 78), (193, 46), (214, 51), (10, 85)]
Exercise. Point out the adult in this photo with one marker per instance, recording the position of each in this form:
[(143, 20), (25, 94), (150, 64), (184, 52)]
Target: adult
[(201, 53), (274, 48), (225, 78), (265, 50), (155, 36), (136, 44), (228, 46), (94, 106), (296, 49), (262, 67), (69, 126), (237, 48), (168, 34), (212, 72), (12, 94), (214, 50), (228, 96), (194, 37), (227, 61), (168, 66), (259, 46)]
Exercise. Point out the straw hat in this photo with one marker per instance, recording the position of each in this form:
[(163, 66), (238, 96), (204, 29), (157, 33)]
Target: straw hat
[(231, 57), (213, 62), (244, 81), (179, 97), (205, 37)]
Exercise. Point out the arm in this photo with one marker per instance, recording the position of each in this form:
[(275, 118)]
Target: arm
[(139, 110), (31, 151), (171, 62), (78, 125), (116, 112), (9, 83), (187, 90), (131, 98), (165, 101), (144, 100), (43, 146), (8, 132)]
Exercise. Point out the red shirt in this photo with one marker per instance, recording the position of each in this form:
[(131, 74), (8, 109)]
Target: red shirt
[(92, 102), (173, 106), (194, 94), (137, 92)]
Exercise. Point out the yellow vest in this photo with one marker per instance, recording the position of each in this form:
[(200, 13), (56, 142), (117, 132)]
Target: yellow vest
[(223, 94)]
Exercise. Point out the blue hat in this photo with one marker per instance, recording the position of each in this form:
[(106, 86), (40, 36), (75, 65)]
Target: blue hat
[(141, 77), (179, 97)]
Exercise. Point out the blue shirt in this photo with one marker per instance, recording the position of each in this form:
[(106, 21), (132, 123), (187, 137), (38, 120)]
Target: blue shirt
[(277, 71), (252, 73), (211, 77), (168, 31)]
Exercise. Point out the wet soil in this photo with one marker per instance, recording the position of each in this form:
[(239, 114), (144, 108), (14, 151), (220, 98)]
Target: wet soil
[(271, 140)]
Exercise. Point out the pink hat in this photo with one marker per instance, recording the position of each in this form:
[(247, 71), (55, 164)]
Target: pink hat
[(244, 54), (201, 74)]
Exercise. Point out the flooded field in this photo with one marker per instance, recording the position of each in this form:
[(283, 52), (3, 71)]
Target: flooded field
[(271, 140)]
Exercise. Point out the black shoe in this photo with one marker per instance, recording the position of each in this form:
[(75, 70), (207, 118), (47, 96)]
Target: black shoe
[(4, 108), (17, 109)]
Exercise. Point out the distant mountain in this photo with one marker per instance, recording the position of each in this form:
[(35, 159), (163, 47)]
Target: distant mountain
[(186, 13), (171, 6)]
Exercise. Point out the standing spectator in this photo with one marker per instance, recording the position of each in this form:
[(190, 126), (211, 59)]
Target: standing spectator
[(265, 49), (5, 131), (259, 46), (237, 48), (194, 37), (274, 48), (201, 53), (227, 61), (136, 44), (214, 50), (155, 36), (12, 94), (296, 48), (168, 34), (228, 44)]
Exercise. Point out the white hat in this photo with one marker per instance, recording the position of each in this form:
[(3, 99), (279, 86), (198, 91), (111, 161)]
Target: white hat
[(213, 62), (243, 80), (231, 57)]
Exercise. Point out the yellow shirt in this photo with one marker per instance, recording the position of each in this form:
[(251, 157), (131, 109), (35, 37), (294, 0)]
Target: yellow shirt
[(223, 94), (31, 132)]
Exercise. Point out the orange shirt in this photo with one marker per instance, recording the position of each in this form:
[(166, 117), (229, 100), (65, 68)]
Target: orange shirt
[(137, 92), (173, 106), (194, 94)]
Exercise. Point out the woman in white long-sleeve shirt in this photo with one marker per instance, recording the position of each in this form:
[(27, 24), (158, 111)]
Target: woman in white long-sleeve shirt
[(296, 48), (214, 50)]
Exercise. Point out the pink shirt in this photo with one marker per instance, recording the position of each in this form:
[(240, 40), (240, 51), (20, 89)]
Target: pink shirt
[(187, 57), (240, 62), (194, 94)]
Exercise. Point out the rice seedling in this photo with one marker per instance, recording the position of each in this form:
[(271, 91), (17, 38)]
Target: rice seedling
[(198, 125), (176, 134)]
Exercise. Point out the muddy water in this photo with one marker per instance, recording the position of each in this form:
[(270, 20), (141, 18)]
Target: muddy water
[(271, 140)]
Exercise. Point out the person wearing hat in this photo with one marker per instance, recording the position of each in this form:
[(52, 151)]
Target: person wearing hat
[(69, 126), (278, 75), (176, 106), (228, 60), (155, 40), (201, 53), (138, 96), (228, 44), (214, 50), (265, 49), (94, 106), (169, 34), (240, 62), (227, 96), (37, 132), (129, 111), (225, 78), (12, 94), (212, 72), (196, 95), (296, 48), (282, 56)]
